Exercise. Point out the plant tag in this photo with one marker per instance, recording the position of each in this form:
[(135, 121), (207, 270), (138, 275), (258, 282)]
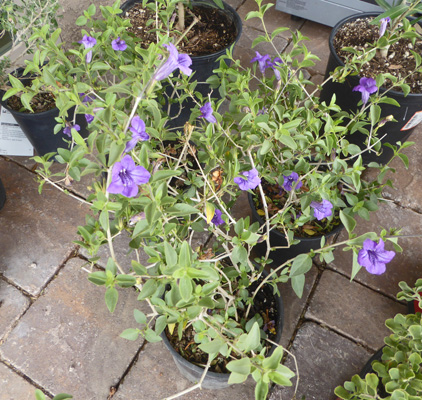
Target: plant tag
[(415, 120), (13, 141)]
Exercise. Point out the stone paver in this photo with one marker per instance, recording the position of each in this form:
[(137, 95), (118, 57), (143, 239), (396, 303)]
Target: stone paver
[(405, 266), (337, 302), (40, 229), (325, 360), (69, 342), (14, 387), (155, 377), (12, 305)]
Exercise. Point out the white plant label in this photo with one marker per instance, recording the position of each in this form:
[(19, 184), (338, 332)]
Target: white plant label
[(415, 120), (13, 141)]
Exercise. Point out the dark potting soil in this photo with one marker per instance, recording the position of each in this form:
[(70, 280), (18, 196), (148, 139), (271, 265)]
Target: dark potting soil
[(212, 33), (264, 305), (39, 103), (276, 198), (400, 61)]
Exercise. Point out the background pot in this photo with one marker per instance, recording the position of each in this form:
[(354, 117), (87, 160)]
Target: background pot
[(277, 238), (367, 369), (2, 195), (214, 380), (39, 127), (202, 66), (347, 100)]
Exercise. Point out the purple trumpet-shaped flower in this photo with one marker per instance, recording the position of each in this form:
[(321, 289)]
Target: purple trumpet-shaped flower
[(264, 62), (126, 176), (89, 118), (291, 181), (137, 127), (373, 256), (206, 111), (216, 219), (174, 61), (68, 129), (88, 42), (277, 60), (366, 86), (248, 179), (119, 44), (322, 210), (384, 22)]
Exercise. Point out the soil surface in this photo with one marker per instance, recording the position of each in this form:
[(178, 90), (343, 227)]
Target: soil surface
[(264, 305), (214, 31), (40, 103), (399, 62)]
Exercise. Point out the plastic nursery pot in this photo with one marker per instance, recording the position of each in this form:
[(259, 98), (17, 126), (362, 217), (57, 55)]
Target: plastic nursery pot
[(39, 127), (408, 115), (202, 66), (2, 195), (215, 380), (277, 238)]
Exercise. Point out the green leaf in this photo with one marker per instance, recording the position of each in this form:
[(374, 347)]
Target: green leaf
[(98, 278), (125, 281), (62, 396), (182, 210), (171, 255), (261, 390), (237, 378), (39, 395), (341, 392), (148, 289), (164, 174), (185, 285), (185, 260), (111, 297), (242, 366), (273, 361), (130, 334), (347, 221), (252, 340), (152, 336), (298, 283), (100, 66), (301, 265), (140, 317), (212, 347), (81, 20), (160, 324), (356, 267), (375, 112), (279, 379), (116, 151)]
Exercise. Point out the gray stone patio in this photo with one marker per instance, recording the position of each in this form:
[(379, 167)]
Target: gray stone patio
[(57, 335)]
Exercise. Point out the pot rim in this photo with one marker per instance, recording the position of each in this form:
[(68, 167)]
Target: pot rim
[(337, 58), (276, 232), (227, 8)]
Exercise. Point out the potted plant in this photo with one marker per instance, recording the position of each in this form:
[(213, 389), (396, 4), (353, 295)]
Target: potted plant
[(203, 29), (163, 196), (395, 371), (385, 53), (30, 103)]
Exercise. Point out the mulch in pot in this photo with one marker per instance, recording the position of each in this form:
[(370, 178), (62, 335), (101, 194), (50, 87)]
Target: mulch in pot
[(360, 33), (214, 31)]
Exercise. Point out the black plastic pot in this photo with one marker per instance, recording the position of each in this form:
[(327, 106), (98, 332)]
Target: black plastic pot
[(367, 369), (405, 115), (39, 127), (277, 238), (2, 195), (202, 66), (214, 380)]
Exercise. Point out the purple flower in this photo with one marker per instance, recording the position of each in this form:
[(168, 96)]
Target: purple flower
[(86, 98), (89, 118), (216, 219), (206, 111), (273, 65), (373, 256), (366, 86), (263, 61), (262, 111), (291, 181), (88, 42), (322, 210), (126, 176), (137, 127), (248, 180), (174, 61), (384, 22), (119, 44), (68, 129)]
